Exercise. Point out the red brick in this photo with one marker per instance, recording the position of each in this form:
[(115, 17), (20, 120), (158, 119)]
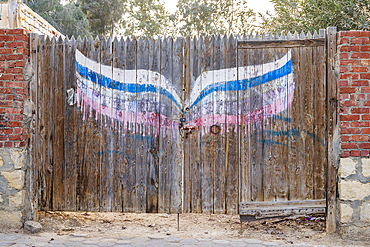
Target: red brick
[(365, 76), (16, 31), (365, 131), (349, 34), (2, 44), (6, 38), (360, 110), (22, 37), (365, 90), (361, 41), (7, 77), (20, 64), (349, 62), (16, 44), (19, 77), (365, 48), (365, 145), (343, 69), (13, 111), (14, 70), (343, 41), (359, 138), (349, 145), (23, 144), (346, 76), (355, 153), (16, 57), (344, 138), (348, 103), (344, 154), (18, 117), (343, 110), (343, 83), (8, 131), (359, 69), (6, 103), (364, 153), (23, 51), (364, 34), (350, 131), (15, 84), (2, 57), (21, 91), (16, 138), (365, 62), (6, 51), (11, 64), (15, 124), (349, 48), (8, 144), (2, 31), (348, 90), (343, 56), (360, 83), (365, 117), (360, 55), (367, 103)]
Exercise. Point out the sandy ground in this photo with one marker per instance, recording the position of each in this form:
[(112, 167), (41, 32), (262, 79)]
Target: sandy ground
[(199, 226)]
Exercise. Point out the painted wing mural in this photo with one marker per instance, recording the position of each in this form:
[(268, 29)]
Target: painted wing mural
[(117, 97)]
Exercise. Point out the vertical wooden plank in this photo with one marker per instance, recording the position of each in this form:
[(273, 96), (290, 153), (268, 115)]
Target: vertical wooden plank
[(256, 143), (176, 141), (117, 111), (232, 163), (70, 179), (130, 77), (268, 150), (106, 126), (282, 123), (219, 139), (296, 144), (318, 134), (82, 123), (244, 73), (307, 122), (195, 153), (186, 94), (142, 144), (92, 147), (154, 127), (33, 190), (331, 102), (58, 170), (206, 114)]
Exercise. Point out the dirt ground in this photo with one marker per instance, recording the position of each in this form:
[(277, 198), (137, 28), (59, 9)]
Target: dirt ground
[(200, 226)]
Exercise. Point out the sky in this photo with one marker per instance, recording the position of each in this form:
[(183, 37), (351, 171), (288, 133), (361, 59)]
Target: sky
[(256, 5)]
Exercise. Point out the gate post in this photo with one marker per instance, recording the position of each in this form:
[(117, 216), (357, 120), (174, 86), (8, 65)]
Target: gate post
[(331, 190)]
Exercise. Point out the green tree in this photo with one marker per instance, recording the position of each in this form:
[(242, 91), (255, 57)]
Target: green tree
[(146, 18), (67, 19), (310, 15), (103, 15), (197, 17)]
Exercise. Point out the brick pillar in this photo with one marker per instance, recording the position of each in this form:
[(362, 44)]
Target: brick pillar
[(14, 126), (354, 117)]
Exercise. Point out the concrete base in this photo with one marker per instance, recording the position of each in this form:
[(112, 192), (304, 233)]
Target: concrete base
[(10, 220)]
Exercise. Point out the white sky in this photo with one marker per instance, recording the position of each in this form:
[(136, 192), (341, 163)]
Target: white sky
[(256, 5)]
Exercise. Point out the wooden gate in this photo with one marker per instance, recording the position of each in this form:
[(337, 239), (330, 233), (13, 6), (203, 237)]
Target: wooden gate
[(186, 125)]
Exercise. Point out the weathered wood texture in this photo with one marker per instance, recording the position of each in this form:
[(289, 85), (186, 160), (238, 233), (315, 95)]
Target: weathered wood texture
[(186, 125), (283, 118)]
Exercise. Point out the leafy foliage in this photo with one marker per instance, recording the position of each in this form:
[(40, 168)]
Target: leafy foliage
[(103, 15), (146, 18), (310, 15), (67, 19), (214, 16)]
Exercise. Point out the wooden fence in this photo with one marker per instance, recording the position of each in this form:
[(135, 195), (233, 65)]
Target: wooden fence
[(185, 125)]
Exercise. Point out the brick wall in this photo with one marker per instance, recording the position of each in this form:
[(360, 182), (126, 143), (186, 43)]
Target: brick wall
[(14, 52), (14, 126), (354, 120)]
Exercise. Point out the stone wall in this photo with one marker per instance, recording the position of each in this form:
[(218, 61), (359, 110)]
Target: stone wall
[(15, 117), (354, 117)]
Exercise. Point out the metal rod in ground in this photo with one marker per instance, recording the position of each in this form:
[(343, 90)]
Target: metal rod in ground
[(178, 222)]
